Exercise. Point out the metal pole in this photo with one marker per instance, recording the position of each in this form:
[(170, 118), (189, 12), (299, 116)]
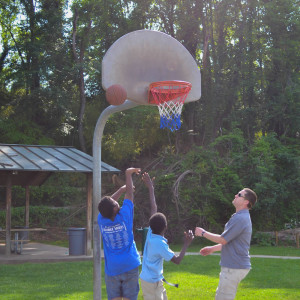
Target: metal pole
[(97, 188)]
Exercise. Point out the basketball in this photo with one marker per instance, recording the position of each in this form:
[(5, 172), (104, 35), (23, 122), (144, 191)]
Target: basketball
[(116, 94)]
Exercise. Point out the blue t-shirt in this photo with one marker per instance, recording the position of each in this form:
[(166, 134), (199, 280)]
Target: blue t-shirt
[(156, 250), (237, 233), (120, 250)]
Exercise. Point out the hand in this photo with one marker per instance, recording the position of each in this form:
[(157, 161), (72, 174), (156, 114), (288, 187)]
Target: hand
[(198, 231), (206, 251), (188, 237), (133, 170), (147, 180)]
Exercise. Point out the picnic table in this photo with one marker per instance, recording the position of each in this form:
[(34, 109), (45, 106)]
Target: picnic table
[(17, 242)]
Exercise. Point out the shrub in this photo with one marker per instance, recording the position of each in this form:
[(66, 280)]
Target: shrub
[(43, 216), (263, 239)]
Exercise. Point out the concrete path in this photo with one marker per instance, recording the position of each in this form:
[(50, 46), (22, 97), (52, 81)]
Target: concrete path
[(42, 253)]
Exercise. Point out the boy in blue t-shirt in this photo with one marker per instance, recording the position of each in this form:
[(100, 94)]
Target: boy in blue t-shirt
[(156, 250), (121, 256)]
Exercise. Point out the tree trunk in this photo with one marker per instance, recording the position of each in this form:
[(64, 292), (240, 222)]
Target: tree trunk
[(80, 60)]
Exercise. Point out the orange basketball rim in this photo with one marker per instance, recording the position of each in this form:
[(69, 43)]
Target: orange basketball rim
[(169, 96)]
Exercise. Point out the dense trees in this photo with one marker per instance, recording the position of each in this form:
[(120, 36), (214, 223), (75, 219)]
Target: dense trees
[(243, 131)]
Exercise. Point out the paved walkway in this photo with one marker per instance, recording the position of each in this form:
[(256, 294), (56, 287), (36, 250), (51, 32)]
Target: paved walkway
[(42, 253)]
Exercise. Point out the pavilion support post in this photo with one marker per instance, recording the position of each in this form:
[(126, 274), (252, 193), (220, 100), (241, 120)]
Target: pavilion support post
[(27, 196), (89, 213), (8, 213)]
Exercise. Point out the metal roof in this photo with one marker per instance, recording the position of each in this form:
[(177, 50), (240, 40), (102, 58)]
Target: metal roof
[(48, 159)]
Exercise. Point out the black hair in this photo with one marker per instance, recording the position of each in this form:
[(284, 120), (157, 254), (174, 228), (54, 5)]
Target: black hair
[(158, 223), (251, 197), (106, 207)]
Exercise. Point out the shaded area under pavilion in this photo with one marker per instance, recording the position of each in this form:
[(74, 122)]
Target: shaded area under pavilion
[(32, 165)]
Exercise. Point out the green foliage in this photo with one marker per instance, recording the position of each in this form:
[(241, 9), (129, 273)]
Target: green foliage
[(274, 175), (59, 190), (244, 131), (40, 216), (263, 239), (197, 188), (123, 141), (21, 131)]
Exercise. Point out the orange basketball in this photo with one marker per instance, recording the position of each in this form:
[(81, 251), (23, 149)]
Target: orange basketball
[(116, 94)]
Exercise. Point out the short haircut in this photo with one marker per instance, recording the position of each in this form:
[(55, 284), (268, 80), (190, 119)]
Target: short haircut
[(106, 207), (158, 223), (251, 197)]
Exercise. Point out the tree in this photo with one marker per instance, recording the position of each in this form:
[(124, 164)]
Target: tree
[(34, 35), (281, 104)]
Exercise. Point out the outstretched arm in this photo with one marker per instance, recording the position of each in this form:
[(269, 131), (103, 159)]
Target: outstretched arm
[(216, 238), (116, 195), (129, 182), (210, 249), (188, 238), (149, 183)]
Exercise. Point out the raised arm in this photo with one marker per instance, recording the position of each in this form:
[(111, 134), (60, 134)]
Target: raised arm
[(149, 183), (188, 238), (129, 182), (119, 192)]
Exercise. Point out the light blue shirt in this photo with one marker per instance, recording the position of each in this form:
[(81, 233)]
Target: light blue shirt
[(237, 233), (120, 250), (156, 250)]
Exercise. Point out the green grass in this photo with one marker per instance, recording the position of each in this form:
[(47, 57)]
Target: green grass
[(64, 243), (197, 277), (254, 249), (200, 243), (195, 247), (276, 251)]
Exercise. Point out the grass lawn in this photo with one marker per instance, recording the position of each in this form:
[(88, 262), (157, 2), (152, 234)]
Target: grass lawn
[(254, 249), (197, 277), (196, 246)]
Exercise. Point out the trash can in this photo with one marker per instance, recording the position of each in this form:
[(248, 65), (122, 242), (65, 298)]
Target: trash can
[(77, 241), (144, 232)]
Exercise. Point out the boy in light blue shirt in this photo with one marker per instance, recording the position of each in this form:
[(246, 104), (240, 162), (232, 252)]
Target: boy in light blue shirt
[(156, 250)]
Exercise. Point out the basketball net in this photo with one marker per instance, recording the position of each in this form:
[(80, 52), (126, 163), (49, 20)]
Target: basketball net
[(169, 96)]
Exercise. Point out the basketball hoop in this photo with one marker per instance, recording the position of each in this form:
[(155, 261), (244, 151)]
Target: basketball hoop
[(169, 96)]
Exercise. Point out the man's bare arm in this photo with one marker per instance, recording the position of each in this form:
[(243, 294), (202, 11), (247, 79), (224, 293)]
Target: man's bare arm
[(210, 249), (216, 238)]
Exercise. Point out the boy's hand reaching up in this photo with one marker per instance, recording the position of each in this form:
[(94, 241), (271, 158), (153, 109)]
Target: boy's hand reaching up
[(149, 184), (147, 180), (188, 237)]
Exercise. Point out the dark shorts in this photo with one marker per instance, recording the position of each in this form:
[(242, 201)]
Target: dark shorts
[(123, 285)]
